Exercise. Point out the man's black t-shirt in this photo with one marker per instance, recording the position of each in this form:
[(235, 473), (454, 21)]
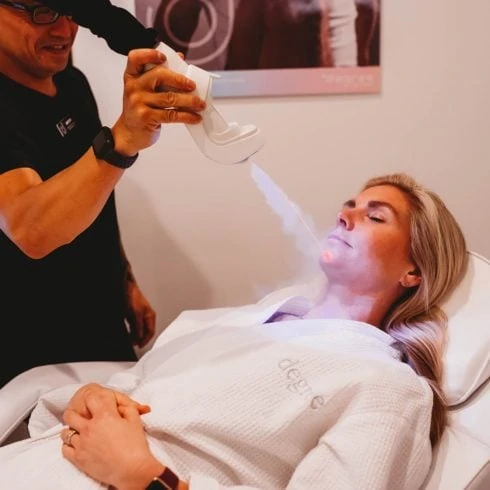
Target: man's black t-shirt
[(68, 306)]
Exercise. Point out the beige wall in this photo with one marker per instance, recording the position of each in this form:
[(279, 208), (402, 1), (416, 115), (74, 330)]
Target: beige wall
[(200, 235)]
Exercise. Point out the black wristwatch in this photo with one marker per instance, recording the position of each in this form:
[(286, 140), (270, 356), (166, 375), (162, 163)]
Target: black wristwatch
[(103, 145), (168, 480)]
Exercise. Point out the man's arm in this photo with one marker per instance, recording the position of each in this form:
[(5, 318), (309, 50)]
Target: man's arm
[(40, 216)]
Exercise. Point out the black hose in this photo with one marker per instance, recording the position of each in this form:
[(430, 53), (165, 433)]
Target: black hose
[(119, 28)]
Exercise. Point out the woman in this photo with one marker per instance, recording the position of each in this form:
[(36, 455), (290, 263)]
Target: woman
[(342, 392)]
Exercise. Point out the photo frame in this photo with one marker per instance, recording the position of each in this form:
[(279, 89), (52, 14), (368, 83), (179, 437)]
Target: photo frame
[(274, 47)]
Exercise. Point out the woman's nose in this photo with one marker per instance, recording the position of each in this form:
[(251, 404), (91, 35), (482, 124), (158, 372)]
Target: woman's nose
[(345, 219)]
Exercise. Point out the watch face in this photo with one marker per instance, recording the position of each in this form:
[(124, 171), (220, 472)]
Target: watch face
[(103, 145)]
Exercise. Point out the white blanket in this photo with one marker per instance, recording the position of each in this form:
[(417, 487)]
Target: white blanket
[(236, 403)]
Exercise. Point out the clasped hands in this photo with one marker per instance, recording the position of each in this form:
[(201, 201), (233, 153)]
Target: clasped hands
[(105, 438)]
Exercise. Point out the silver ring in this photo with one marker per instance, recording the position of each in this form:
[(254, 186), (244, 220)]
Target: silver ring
[(69, 437)]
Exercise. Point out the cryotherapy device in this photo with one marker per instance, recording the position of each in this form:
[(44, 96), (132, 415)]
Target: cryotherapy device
[(222, 141)]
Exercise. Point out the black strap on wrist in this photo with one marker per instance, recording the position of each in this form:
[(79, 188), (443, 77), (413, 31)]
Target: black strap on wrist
[(168, 480), (103, 146)]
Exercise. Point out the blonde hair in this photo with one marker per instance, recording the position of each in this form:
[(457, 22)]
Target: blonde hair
[(416, 321)]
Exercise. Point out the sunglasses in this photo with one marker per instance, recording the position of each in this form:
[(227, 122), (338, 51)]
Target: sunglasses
[(40, 14)]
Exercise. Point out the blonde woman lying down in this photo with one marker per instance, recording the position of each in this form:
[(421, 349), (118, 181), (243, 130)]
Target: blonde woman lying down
[(339, 392)]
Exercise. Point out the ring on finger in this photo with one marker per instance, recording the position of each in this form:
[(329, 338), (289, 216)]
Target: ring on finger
[(69, 437)]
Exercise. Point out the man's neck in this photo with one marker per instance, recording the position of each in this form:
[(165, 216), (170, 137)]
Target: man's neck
[(44, 85)]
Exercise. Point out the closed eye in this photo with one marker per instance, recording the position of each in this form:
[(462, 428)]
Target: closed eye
[(376, 219)]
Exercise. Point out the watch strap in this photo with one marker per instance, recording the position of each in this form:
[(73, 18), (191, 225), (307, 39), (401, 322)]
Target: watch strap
[(167, 480), (103, 146)]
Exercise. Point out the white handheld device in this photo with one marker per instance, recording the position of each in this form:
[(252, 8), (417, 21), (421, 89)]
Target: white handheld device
[(219, 140)]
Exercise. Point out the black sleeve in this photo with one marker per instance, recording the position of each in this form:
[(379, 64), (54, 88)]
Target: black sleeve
[(12, 153)]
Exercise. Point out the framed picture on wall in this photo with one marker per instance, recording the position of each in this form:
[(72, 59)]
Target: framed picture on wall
[(274, 47)]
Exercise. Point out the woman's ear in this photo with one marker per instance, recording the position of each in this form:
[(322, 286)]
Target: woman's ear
[(411, 279)]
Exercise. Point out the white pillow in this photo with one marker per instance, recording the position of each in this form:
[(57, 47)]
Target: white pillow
[(467, 358)]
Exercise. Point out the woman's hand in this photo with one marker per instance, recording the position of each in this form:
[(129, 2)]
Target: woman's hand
[(106, 396), (110, 444)]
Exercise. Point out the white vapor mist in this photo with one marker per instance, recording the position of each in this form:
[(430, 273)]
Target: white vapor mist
[(294, 221)]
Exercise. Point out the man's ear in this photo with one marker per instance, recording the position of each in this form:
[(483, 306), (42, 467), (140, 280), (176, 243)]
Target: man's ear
[(411, 279)]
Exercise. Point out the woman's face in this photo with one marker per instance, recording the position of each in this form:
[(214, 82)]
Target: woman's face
[(369, 248)]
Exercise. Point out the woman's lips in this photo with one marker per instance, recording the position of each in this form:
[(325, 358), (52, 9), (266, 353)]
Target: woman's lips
[(338, 239)]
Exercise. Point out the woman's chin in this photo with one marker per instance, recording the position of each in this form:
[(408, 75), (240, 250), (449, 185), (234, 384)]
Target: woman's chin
[(328, 256)]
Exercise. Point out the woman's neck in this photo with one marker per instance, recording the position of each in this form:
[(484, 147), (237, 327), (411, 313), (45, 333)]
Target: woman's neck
[(340, 302)]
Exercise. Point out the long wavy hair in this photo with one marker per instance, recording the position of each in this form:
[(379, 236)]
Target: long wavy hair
[(416, 321)]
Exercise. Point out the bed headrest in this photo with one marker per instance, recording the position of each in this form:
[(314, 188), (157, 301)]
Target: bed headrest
[(467, 358)]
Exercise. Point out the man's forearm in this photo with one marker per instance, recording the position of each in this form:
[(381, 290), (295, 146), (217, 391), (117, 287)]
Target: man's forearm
[(57, 210)]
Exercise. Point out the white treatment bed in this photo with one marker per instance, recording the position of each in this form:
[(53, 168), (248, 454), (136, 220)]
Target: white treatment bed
[(462, 459)]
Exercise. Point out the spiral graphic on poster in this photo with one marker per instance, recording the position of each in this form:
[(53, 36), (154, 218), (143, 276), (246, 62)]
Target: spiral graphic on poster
[(217, 16)]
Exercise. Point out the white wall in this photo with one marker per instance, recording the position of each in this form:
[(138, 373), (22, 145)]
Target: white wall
[(199, 234)]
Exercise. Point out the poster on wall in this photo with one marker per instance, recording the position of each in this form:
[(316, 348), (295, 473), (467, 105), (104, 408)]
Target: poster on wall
[(274, 47)]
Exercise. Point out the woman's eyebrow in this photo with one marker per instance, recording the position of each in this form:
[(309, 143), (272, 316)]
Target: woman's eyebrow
[(383, 204), (351, 203)]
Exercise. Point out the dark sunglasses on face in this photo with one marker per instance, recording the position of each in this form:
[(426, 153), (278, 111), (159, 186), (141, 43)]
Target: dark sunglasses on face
[(40, 14)]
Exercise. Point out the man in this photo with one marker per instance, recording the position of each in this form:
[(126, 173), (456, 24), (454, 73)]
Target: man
[(67, 289)]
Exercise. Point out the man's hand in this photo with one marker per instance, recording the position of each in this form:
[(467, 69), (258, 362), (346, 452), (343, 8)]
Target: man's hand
[(152, 98), (141, 317)]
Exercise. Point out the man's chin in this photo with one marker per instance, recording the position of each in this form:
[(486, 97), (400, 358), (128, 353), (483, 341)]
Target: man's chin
[(52, 64), (59, 66)]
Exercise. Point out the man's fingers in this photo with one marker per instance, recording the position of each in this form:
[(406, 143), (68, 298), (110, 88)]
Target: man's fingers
[(139, 58), (146, 65), (170, 116), (156, 117), (149, 329), (162, 79), (165, 100)]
